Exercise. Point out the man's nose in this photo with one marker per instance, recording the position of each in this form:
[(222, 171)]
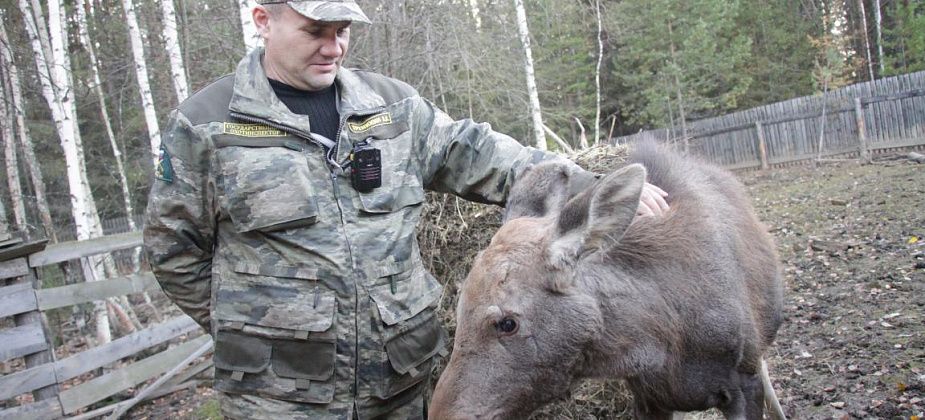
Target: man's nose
[(331, 47)]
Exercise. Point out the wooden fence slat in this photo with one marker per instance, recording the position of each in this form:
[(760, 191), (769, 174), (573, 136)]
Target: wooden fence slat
[(27, 380), (74, 294), (40, 410), (14, 268), (123, 347), (116, 381), (20, 341), (66, 251), (17, 299)]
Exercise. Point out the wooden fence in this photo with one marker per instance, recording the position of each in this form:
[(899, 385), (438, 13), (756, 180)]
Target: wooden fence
[(855, 120), (55, 393)]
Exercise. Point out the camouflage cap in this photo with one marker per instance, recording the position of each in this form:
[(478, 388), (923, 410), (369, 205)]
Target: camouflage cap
[(326, 11)]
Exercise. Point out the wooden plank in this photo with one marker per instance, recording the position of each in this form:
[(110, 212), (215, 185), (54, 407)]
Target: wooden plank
[(117, 381), (124, 347), (22, 249), (74, 294), (67, 251), (17, 299), (20, 341), (14, 268), (148, 390), (27, 380), (41, 410), (35, 319)]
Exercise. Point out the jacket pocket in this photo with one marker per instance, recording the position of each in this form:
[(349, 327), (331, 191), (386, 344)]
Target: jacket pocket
[(274, 336), (412, 333), (389, 132), (266, 187)]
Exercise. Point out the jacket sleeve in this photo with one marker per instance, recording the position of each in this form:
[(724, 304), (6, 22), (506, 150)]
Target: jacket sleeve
[(180, 221), (470, 159)]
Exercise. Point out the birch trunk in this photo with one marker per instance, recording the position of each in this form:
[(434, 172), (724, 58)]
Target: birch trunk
[(678, 91), (141, 73), (25, 141), (172, 43), (97, 84), (248, 30), (4, 228), (12, 163), (597, 77), (535, 112), (878, 19), (870, 64), (56, 90)]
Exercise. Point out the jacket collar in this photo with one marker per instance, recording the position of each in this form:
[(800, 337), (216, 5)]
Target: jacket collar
[(254, 97)]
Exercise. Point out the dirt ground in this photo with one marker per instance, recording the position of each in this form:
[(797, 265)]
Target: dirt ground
[(852, 244)]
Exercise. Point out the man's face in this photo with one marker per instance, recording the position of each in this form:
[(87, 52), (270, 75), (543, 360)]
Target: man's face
[(299, 51)]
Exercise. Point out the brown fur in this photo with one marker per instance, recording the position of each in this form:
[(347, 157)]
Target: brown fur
[(681, 306)]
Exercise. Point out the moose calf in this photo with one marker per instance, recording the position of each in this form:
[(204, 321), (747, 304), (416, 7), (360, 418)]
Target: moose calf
[(682, 306)]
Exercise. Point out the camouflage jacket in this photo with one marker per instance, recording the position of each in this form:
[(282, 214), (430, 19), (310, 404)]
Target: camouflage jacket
[(314, 292)]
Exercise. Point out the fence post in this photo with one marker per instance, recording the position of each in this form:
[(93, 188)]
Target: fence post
[(762, 146), (862, 130)]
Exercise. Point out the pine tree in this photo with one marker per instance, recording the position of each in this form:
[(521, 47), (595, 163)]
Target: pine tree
[(679, 58)]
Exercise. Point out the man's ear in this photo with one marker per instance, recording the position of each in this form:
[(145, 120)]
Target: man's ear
[(261, 20), (596, 220)]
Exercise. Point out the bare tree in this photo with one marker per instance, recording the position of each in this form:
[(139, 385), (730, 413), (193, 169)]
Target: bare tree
[(17, 105), (12, 163), (172, 43), (56, 88), (597, 77), (870, 64), (141, 73), (878, 19), (96, 85), (535, 112)]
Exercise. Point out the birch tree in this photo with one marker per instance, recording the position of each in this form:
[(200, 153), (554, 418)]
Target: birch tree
[(56, 88), (248, 30), (535, 112), (597, 76), (172, 43), (96, 84), (141, 74), (878, 21), (870, 64), (17, 106), (12, 163)]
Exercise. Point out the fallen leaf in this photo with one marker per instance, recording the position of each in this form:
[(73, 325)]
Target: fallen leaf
[(913, 240)]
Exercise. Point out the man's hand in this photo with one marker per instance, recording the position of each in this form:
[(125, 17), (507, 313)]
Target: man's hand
[(652, 201)]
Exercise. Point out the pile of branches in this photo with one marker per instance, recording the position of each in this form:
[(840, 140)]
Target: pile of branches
[(453, 231)]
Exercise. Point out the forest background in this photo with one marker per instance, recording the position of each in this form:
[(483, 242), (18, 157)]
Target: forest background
[(659, 63)]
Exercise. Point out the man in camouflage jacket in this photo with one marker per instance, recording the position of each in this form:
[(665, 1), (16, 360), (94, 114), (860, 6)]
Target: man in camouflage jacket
[(314, 292)]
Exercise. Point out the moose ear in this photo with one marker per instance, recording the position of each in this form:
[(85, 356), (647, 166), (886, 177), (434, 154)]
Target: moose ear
[(597, 219)]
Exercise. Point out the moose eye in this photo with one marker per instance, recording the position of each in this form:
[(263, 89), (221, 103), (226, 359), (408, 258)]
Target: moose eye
[(507, 326)]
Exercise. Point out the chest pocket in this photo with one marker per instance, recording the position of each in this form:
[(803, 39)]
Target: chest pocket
[(390, 132), (265, 185)]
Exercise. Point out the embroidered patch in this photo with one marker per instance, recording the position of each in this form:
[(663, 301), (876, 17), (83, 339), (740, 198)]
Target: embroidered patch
[(252, 130), (164, 170), (374, 121)]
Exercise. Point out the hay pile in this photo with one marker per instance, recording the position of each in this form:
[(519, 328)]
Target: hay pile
[(453, 231)]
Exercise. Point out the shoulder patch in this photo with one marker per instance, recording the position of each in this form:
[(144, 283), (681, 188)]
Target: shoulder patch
[(252, 130), (164, 169), (367, 124)]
